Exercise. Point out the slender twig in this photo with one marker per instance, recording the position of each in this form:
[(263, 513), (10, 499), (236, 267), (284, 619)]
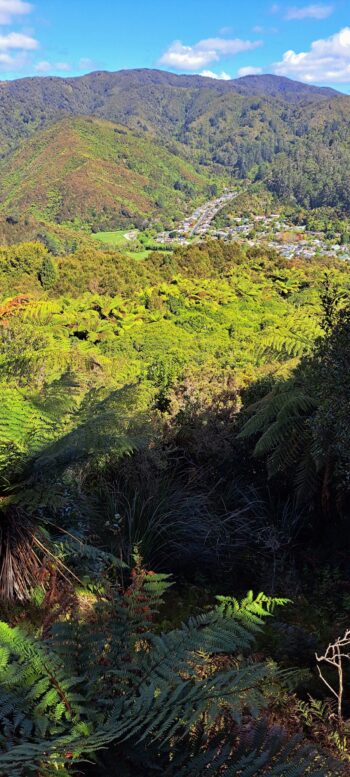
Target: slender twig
[(334, 656)]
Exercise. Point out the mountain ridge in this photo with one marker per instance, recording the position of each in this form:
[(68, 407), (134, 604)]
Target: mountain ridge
[(265, 83), (132, 97)]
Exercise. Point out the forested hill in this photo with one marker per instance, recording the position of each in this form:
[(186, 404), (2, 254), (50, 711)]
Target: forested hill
[(87, 168), (164, 101), (293, 137)]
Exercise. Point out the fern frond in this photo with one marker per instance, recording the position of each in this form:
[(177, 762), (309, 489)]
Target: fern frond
[(257, 752), (122, 682)]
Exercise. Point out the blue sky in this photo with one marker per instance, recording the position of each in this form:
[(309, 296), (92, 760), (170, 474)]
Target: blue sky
[(308, 41)]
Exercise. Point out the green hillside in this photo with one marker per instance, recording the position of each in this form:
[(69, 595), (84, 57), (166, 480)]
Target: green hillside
[(133, 97), (92, 171), (293, 137)]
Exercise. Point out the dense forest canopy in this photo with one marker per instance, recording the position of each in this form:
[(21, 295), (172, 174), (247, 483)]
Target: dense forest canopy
[(132, 393)]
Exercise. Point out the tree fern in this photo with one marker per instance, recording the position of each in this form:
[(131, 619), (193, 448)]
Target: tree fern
[(39, 441), (255, 752), (119, 681), (281, 421), (153, 697), (23, 427), (291, 342)]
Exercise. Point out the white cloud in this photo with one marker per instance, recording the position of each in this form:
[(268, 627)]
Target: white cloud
[(219, 76), (16, 47), (249, 71), (64, 67), (204, 53), (264, 30), (14, 62), (43, 67), (49, 67), (10, 9), (328, 60), (6, 59), (317, 11), (17, 40), (85, 63)]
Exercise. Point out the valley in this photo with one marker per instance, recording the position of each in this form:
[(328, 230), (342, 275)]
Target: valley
[(199, 222), (275, 231)]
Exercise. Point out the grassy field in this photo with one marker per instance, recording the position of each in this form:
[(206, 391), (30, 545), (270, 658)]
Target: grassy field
[(118, 240)]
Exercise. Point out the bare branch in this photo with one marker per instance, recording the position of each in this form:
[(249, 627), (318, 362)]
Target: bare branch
[(334, 656)]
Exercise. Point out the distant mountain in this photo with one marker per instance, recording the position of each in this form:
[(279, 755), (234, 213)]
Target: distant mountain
[(132, 97), (284, 88), (268, 85), (180, 134)]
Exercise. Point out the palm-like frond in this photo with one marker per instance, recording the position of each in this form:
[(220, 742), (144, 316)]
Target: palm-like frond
[(281, 420), (254, 752), (40, 439), (120, 682)]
